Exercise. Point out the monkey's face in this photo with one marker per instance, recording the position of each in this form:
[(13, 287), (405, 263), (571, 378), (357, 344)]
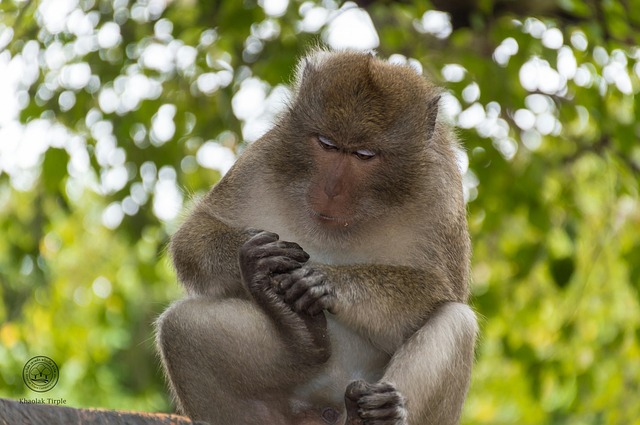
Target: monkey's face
[(352, 146), (336, 194)]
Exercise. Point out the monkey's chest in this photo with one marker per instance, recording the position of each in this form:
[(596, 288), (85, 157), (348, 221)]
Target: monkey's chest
[(353, 357)]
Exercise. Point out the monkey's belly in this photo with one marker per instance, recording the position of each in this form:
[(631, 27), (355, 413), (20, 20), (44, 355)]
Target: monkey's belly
[(353, 357)]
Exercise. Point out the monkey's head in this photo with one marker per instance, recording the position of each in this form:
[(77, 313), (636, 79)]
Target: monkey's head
[(355, 141)]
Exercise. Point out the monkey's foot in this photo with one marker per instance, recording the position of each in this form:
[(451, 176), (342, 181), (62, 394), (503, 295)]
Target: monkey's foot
[(374, 404)]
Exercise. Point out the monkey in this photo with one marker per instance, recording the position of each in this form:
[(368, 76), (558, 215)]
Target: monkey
[(327, 272)]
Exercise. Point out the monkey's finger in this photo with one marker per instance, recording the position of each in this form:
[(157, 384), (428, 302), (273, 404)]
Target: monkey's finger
[(266, 251), (278, 264), (252, 232), (352, 409), (323, 303), (302, 286), (291, 249), (281, 282), (274, 249), (309, 298), (386, 413), (290, 245), (262, 238), (356, 389), (381, 400)]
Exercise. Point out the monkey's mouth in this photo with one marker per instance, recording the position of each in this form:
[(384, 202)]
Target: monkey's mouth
[(330, 220)]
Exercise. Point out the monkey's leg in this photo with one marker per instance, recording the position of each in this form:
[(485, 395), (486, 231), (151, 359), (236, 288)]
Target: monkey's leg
[(427, 379), (226, 363)]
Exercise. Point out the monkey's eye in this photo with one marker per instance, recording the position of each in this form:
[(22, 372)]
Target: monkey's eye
[(364, 154), (327, 143)]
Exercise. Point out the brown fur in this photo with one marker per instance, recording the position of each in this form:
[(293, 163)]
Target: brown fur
[(388, 245)]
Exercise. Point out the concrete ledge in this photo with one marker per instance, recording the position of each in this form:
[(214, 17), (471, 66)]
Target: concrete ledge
[(16, 413)]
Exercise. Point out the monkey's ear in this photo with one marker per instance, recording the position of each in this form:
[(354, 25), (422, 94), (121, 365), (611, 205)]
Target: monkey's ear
[(432, 115)]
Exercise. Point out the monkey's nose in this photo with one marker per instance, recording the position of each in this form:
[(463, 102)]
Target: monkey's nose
[(332, 191)]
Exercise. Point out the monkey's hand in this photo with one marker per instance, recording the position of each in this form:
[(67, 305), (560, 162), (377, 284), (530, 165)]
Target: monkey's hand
[(264, 260), (306, 290), (378, 403), (264, 256)]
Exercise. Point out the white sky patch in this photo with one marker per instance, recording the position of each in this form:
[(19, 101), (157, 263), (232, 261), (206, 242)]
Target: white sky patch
[(470, 184), (531, 139), (535, 27), (257, 110), (79, 23), (471, 93), (158, 57), (249, 100), (75, 76), (493, 126), (101, 287), (109, 35), (214, 156), (6, 35), (9, 107), (53, 14), (167, 198), (453, 72), (351, 28), (436, 23), (127, 92), (505, 50), (275, 8), (66, 100), (462, 160), (313, 19), (615, 72), (579, 41), (450, 107), (112, 215), (23, 146), (398, 59), (163, 29), (525, 119), (472, 116), (536, 74), (567, 64), (162, 126), (552, 38), (208, 83), (600, 55), (185, 57), (113, 179), (108, 100), (507, 147), (54, 56), (545, 123), (539, 103)]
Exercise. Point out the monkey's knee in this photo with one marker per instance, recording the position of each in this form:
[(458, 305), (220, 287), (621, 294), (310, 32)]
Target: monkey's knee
[(174, 326), (461, 318), (198, 328), (201, 336)]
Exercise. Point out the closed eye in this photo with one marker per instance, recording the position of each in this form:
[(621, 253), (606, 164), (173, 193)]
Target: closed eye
[(327, 143), (364, 154)]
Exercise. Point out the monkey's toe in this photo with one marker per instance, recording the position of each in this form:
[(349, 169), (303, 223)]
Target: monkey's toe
[(375, 404)]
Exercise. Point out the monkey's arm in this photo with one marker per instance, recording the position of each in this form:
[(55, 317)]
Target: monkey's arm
[(386, 303), (205, 253)]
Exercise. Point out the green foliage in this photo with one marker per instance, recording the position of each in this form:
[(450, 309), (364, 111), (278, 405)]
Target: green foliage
[(118, 104)]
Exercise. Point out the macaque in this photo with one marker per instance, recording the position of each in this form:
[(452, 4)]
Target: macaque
[(327, 272)]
